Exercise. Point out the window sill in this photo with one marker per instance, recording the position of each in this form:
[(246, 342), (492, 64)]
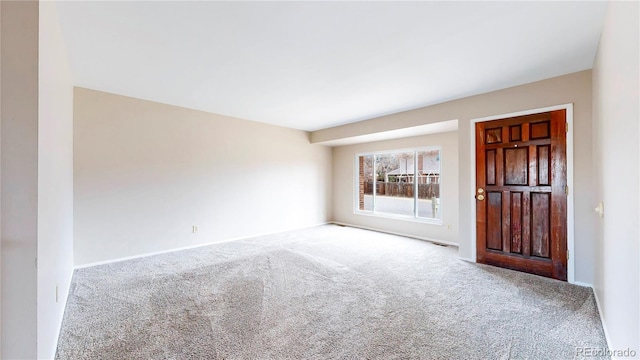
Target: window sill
[(399, 217)]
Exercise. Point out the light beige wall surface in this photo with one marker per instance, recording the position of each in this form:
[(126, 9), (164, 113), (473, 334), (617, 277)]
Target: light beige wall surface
[(19, 164), (573, 88), (343, 188), (55, 180), (0, 182), (145, 173), (615, 137)]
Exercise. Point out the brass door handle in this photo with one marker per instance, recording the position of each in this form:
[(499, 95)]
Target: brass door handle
[(480, 197)]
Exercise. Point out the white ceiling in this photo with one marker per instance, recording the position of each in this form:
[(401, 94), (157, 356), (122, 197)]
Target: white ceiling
[(313, 65)]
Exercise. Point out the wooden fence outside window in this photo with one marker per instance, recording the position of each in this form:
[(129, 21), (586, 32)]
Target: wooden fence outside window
[(425, 191)]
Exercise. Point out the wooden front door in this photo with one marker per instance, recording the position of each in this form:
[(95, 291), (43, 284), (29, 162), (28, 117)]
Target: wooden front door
[(521, 193)]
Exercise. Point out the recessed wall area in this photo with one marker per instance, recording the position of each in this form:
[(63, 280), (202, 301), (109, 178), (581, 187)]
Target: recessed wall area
[(567, 89), (344, 189)]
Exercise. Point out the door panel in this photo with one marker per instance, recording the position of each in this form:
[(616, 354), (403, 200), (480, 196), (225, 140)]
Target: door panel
[(494, 220), (516, 162), (520, 200), (540, 229), (491, 167), (516, 222), (543, 164)]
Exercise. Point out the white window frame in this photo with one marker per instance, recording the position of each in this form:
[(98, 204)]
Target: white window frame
[(414, 218)]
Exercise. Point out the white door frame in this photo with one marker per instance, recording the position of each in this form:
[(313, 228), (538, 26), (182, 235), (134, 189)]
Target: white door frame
[(570, 204)]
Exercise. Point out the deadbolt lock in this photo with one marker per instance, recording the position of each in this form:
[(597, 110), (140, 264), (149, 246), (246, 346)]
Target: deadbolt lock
[(480, 190)]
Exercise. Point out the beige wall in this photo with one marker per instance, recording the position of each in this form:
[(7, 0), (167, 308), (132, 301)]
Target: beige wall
[(615, 138), (573, 88), (146, 172), (37, 179), (55, 180), (19, 164), (343, 188), (0, 181)]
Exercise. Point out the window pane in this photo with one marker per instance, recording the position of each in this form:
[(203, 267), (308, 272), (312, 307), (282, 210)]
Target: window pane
[(365, 183), (429, 184), (394, 188)]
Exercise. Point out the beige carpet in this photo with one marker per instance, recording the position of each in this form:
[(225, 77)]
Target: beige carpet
[(327, 292)]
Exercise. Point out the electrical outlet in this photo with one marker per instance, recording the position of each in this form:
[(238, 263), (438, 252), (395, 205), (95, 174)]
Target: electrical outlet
[(194, 229), (449, 227)]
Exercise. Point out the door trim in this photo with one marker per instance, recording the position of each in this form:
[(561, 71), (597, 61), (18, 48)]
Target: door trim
[(570, 203)]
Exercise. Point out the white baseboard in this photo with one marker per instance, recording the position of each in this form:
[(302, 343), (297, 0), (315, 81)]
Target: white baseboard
[(435, 241), (595, 295), (64, 295), (111, 261), (604, 325)]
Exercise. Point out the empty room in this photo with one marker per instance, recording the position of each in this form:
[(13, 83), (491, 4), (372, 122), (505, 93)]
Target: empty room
[(319, 180)]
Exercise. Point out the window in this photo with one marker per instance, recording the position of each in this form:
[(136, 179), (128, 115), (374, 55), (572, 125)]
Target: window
[(388, 184)]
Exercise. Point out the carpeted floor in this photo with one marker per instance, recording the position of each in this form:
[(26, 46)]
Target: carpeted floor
[(323, 293)]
